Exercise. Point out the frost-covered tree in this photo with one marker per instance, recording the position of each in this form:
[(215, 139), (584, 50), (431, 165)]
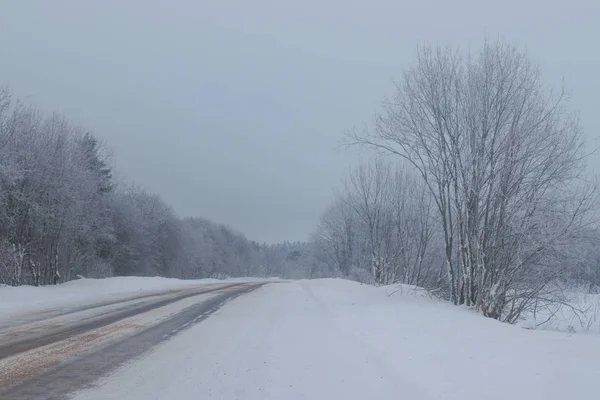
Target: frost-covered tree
[(63, 215), (379, 228), (503, 159), (54, 193)]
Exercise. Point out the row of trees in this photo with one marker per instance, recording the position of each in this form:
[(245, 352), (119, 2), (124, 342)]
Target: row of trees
[(479, 191), (62, 214), (495, 187), (380, 228), (54, 195)]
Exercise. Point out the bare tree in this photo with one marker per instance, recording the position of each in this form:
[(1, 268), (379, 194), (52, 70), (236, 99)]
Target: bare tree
[(337, 234), (414, 231), (381, 223), (502, 159), (369, 193)]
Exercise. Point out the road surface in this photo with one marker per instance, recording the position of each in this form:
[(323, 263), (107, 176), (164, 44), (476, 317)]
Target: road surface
[(51, 355), (320, 339)]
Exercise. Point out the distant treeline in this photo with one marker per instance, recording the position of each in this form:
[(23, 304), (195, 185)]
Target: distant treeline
[(63, 215)]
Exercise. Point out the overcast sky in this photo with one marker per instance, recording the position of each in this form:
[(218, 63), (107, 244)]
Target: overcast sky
[(232, 109)]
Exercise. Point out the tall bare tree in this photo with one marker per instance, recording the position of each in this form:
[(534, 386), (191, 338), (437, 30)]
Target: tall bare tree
[(503, 159), (369, 193), (337, 234)]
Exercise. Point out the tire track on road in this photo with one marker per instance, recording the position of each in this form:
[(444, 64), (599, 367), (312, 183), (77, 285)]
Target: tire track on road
[(80, 373), (26, 342)]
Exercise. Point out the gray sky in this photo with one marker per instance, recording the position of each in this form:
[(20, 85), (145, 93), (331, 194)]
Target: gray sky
[(232, 109)]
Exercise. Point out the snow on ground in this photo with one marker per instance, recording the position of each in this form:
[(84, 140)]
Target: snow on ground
[(26, 299), (580, 315), (335, 339)]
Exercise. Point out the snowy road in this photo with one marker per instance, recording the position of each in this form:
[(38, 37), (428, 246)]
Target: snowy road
[(330, 339), (53, 327), (55, 354), (335, 339)]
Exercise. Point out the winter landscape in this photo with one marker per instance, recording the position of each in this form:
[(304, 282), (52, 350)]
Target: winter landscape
[(218, 201)]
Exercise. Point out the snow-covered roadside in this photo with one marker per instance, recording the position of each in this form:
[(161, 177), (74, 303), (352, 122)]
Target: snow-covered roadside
[(335, 339), (28, 299), (581, 314)]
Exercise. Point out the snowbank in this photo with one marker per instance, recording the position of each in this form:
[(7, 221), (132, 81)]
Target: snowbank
[(23, 299), (581, 314)]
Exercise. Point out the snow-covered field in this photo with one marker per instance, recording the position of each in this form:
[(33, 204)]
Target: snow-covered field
[(82, 292), (335, 339), (580, 314)]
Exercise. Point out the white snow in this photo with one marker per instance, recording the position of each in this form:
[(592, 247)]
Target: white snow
[(580, 315), (29, 299), (335, 339)]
